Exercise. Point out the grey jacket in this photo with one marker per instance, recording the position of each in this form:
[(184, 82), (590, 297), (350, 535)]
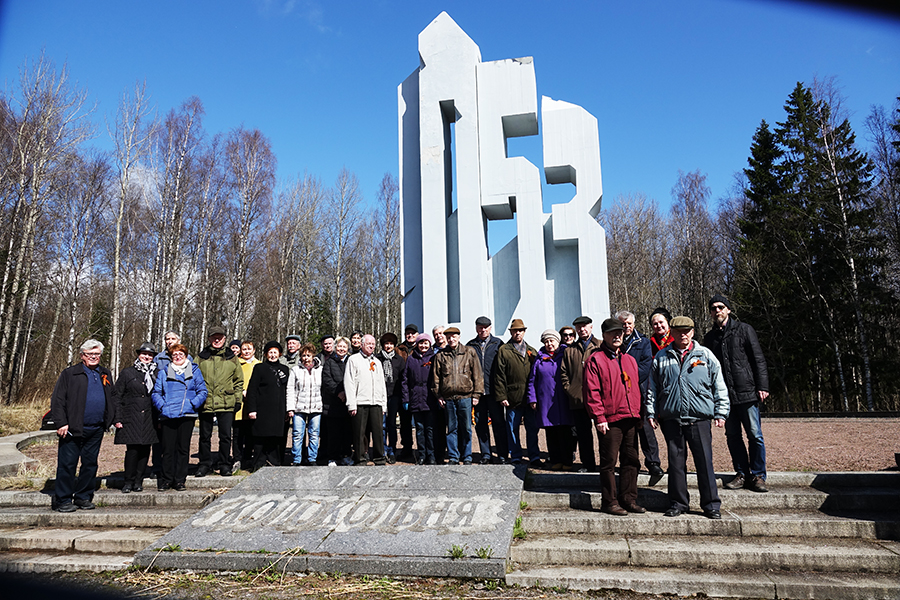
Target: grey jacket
[(689, 390)]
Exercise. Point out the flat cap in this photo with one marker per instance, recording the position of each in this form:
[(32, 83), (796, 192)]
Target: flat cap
[(582, 320), (451, 331), (682, 323), (483, 322), (611, 325)]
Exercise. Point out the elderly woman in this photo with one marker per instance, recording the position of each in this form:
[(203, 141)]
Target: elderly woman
[(334, 405), (393, 361), (266, 407), (659, 323), (544, 388), (178, 394), (415, 393), (135, 419), (304, 404)]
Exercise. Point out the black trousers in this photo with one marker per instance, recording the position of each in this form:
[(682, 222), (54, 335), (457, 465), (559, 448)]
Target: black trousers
[(368, 420), (175, 439), (136, 457), (225, 419), (340, 437), (649, 445), (241, 441), (584, 431), (267, 451), (698, 437), (560, 444), (85, 447), (489, 409)]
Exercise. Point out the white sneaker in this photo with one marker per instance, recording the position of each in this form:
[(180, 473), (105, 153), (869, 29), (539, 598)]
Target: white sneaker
[(331, 463)]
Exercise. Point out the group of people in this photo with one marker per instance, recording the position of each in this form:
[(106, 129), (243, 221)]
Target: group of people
[(342, 404)]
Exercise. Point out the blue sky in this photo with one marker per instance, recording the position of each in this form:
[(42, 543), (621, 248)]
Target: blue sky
[(674, 85)]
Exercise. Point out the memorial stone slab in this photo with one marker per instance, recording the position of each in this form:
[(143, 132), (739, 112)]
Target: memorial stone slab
[(398, 520)]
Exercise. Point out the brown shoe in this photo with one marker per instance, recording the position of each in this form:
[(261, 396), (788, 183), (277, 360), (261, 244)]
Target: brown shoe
[(615, 509), (756, 484), (633, 507), (736, 483)]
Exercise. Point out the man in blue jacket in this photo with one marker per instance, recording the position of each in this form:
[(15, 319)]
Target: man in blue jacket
[(82, 406), (638, 347), (686, 392)]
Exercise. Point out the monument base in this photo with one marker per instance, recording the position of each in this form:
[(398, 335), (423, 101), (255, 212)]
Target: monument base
[(450, 521)]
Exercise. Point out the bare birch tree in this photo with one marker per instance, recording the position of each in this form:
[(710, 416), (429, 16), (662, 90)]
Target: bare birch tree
[(132, 134), (51, 123), (342, 220), (250, 165)]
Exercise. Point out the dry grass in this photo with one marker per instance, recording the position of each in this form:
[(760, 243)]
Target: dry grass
[(31, 476), (273, 583), (22, 416)]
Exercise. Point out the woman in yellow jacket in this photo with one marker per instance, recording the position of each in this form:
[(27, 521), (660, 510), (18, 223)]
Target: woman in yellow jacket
[(241, 439)]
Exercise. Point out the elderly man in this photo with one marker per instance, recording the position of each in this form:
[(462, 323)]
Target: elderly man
[(224, 379), (366, 401), (509, 381), (291, 358), (686, 391), (571, 375), (486, 346), (612, 396), (639, 348), (736, 346), (82, 406), (457, 382)]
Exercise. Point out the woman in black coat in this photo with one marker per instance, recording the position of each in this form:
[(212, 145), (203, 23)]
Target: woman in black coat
[(135, 418), (334, 405), (266, 408)]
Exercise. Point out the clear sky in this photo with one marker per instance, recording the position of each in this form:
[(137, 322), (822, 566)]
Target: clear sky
[(674, 85)]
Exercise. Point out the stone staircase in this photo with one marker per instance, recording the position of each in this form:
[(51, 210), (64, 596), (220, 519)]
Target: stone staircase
[(35, 539), (828, 535)]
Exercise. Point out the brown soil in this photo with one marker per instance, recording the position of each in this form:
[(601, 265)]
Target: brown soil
[(809, 444)]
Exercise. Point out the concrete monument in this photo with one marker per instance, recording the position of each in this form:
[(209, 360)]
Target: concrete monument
[(456, 115)]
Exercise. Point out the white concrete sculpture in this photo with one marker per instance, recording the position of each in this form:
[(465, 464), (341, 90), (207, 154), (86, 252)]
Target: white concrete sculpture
[(456, 114)]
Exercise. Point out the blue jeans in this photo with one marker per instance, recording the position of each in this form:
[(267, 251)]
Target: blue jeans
[(746, 416), (514, 417), (306, 424), (459, 429), (87, 448)]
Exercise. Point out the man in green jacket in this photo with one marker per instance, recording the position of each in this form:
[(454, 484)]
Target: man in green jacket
[(224, 379), (509, 379)]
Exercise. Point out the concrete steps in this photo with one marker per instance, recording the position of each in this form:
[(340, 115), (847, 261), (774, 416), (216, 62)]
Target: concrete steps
[(812, 536), (36, 539)]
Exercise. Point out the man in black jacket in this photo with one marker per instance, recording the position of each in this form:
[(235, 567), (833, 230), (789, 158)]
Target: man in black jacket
[(736, 346), (82, 407), (486, 346)]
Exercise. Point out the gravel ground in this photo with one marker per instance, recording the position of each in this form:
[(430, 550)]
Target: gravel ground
[(808, 444)]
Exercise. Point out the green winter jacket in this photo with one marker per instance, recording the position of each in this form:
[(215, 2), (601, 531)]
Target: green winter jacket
[(224, 379), (511, 371)]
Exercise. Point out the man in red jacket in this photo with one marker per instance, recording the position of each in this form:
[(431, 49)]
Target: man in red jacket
[(612, 396)]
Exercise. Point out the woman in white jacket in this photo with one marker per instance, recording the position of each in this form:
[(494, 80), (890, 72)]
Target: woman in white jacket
[(304, 404)]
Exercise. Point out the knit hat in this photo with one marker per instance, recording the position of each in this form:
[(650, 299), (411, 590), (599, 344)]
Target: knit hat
[(719, 298), (550, 333)]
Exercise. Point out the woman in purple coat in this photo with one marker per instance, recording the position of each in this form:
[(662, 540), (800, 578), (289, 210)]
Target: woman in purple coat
[(544, 388), (415, 394)]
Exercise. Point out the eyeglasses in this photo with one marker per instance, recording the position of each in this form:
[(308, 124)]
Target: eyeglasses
[(567, 334), (92, 354), (174, 354), (717, 307)]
